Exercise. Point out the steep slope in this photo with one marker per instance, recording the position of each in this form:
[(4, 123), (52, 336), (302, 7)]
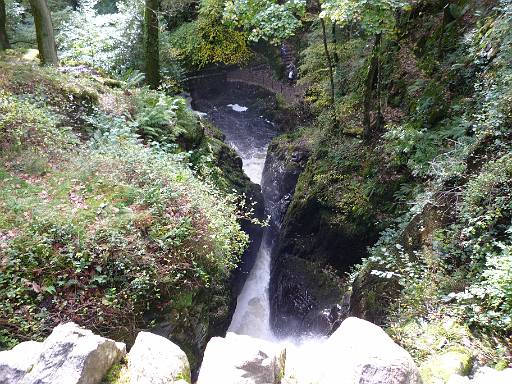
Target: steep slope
[(102, 225), (427, 191)]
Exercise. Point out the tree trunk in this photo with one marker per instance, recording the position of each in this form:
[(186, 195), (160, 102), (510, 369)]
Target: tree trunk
[(329, 61), (334, 43), (44, 32), (370, 83), (152, 44), (4, 41)]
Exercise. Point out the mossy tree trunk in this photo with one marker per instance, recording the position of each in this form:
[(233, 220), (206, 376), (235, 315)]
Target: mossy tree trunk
[(4, 41), (152, 46), (44, 31), (447, 19), (372, 78)]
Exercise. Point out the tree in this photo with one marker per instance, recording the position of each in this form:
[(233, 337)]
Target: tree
[(328, 58), (4, 41), (208, 40), (44, 31), (374, 17), (152, 50), (269, 20)]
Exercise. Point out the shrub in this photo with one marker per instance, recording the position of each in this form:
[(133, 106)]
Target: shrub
[(121, 230), (25, 124)]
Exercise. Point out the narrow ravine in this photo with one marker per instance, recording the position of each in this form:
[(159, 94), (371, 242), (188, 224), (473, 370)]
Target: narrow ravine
[(240, 112)]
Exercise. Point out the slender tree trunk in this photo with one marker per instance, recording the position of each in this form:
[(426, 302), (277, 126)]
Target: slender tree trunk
[(152, 44), (4, 41), (370, 83), (380, 118), (44, 32), (329, 61), (334, 43)]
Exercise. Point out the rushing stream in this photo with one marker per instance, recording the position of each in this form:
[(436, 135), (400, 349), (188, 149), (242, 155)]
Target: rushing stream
[(239, 112)]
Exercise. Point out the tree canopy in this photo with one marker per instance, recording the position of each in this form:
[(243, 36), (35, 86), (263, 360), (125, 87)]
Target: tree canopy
[(373, 16)]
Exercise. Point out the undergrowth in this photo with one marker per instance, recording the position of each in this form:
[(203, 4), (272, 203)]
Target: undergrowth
[(107, 230)]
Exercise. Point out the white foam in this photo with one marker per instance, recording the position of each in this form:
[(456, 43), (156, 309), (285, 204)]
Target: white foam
[(252, 313), (237, 107)]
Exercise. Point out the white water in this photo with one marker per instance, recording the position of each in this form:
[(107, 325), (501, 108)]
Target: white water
[(252, 313), (253, 161), (238, 108)]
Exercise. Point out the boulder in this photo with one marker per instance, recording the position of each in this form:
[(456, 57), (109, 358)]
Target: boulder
[(15, 364), (361, 352), (73, 355), (486, 375), (154, 359), (240, 359)]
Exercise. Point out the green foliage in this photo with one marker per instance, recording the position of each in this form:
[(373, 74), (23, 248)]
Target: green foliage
[(374, 16), (416, 146), (163, 118), (107, 230), (486, 243), (111, 42), (25, 124), (268, 20), (118, 374), (132, 229), (207, 40)]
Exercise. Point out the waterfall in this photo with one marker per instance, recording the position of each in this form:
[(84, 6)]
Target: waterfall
[(238, 113), (252, 313)]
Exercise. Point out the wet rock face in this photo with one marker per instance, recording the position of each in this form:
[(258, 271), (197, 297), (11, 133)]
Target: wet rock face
[(282, 169), (314, 242), (308, 248), (304, 295), (306, 301)]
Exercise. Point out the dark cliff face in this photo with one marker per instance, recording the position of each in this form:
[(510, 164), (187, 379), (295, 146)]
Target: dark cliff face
[(304, 299), (327, 228)]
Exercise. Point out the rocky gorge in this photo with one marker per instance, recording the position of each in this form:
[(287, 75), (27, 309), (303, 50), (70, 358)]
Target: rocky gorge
[(290, 323)]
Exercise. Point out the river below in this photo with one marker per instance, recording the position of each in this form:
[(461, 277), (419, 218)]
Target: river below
[(241, 112)]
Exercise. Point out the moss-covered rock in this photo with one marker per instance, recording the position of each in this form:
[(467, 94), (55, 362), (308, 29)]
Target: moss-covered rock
[(439, 368), (328, 225)]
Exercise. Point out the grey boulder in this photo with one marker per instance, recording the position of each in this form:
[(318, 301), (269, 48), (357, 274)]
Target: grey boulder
[(361, 352), (484, 375), (15, 364), (73, 355), (240, 359), (154, 359)]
